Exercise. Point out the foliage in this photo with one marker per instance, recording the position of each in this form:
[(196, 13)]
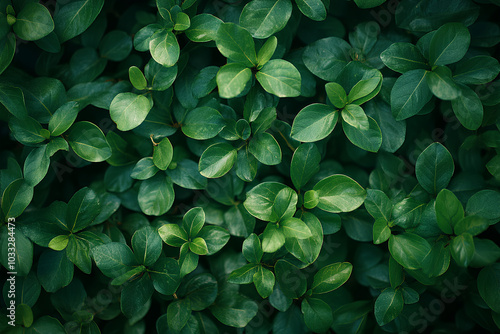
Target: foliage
[(231, 166)]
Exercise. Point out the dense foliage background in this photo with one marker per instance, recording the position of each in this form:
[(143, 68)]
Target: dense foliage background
[(229, 166)]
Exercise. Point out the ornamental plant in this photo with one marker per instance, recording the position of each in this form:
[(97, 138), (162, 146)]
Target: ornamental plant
[(263, 166)]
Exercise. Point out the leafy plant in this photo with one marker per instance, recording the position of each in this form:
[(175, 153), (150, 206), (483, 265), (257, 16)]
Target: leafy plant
[(176, 166)]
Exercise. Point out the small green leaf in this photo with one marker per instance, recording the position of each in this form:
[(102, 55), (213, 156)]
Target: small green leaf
[(468, 108), (462, 249), (203, 123), (317, 314), (295, 228), (473, 225), (232, 79), (263, 18), (173, 235), (252, 249), (162, 154), (449, 211), (144, 169), (129, 110), (381, 231), (156, 195), (147, 245), (264, 282), (280, 77), (313, 9), (63, 118), (355, 116), (73, 18), (266, 51), (272, 238), (33, 22), (434, 168), (265, 149), (137, 78), (331, 277), (59, 243), (339, 193), (487, 283), (198, 246), (409, 249), (164, 48), (449, 44), (305, 163), (403, 57), (314, 122), (388, 306), (336, 94), (311, 199), (236, 43), (16, 197), (88, 142), (193, 221), (217, 160), (114, 258), (441, 83)]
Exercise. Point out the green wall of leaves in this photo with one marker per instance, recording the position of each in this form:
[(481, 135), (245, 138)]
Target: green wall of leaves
[(263, 166)]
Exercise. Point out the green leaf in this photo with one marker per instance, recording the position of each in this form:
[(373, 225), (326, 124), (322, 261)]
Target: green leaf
[(462, 249), (331, 277), (78, 252), (243, 275), (128, 276), (285, 273), (156, 195), (13, 99), (317, 314), (409, 94), (186, 175), (203, 28), (203, 123), (378, 204), (159, 76), (364, 89), (54, 270), (355, 116), (173, 235), (236, 43), (246, 165), (88, 142), (442, 84), (264, 282), (252, 249), (476, 70), (280, 77), (36, 165), (273, 238), (63, 118), (339, 193), (271, 201), (163, 153), (232, 79), (265, 148), (437, 261), (295, 228), (8, 47), (403, 57), (368, 3), (468, 108), (263, 18), (205, 81), (266, 51), (313, 9), (449, 211), (24, 315), (193, 221), (327, 57), (27, 131), (336, 94), (409, 249), (135, 295), (198, 246), (484, 204), (449, 44), (474, 225), (73, 18), (164, 48), (23, 252), (487, 283), (434, 168), (311, 199), (16, 197), (114, 258), (147, 245), (215, 237), (314, 122), (115, 45), (217, 160), (144, 169), (59, 243), (165, 274), (129, 110), (304, 165), (182, 22), (234, 310), (83, 208), (33, 22), (388, 306), (381, 231), (201, 290), (137, 78)]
